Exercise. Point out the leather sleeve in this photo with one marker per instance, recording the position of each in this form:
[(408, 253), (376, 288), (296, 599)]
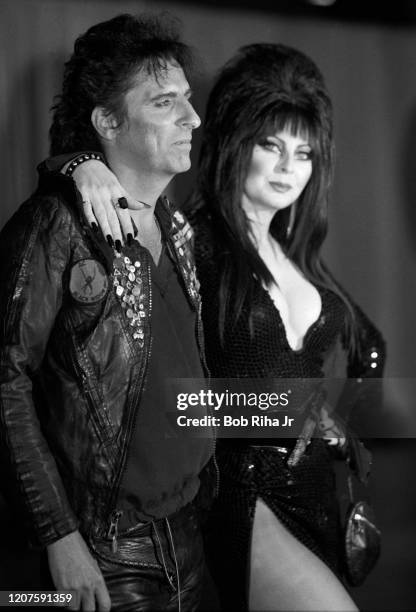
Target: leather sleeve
[(34, 251)]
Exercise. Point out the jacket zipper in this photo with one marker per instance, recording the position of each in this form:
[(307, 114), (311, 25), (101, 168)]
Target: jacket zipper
[(85, 377), (113, 529)]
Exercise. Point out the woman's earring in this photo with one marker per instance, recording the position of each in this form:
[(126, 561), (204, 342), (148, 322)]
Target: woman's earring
[(291, 223)]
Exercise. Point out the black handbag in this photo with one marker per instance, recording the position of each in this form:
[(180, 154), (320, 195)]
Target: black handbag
[(362, 538)]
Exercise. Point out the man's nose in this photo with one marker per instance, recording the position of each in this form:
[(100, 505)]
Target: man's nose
[(190, 116)]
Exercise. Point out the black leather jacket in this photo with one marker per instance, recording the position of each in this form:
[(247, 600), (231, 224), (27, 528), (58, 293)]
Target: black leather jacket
[(71, 370)]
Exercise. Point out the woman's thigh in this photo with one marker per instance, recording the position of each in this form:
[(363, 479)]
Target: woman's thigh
[(285, 575)]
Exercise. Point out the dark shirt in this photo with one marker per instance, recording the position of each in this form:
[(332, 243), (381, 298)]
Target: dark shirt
[(164, 459)]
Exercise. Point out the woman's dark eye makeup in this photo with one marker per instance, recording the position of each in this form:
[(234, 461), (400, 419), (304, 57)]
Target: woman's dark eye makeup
[(267, 143), (272, 145)]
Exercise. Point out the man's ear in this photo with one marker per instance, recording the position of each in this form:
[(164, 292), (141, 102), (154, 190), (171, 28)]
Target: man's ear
[(104, 123)]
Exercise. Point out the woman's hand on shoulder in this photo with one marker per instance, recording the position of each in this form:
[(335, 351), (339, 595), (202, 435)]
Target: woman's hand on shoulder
[(101, 193)]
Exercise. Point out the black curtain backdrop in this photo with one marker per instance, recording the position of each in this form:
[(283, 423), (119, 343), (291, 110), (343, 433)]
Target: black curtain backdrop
[(370, 68)]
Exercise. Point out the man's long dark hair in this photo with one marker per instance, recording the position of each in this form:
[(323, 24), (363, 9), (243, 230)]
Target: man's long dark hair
[(102, 69), (263, 89)]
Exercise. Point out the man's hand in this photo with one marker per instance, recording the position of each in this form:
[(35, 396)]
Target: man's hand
[(100, 191), (74, 569)]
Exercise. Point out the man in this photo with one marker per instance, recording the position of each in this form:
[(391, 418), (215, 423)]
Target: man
[(89, 335)]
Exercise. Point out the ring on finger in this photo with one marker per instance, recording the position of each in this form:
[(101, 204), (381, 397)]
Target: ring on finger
[(122, 202)]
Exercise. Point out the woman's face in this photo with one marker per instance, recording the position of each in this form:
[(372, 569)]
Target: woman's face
[(279, 170)]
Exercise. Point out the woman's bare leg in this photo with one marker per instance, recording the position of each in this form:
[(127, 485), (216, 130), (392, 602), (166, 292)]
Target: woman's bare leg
[(285, 575)]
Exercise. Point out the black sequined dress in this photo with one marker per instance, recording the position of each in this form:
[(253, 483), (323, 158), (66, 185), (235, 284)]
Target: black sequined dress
[(302, 497)]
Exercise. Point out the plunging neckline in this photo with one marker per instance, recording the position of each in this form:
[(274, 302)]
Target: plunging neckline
[(309, 330)]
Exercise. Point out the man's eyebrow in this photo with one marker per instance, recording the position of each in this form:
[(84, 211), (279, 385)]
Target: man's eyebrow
[(170, 94)]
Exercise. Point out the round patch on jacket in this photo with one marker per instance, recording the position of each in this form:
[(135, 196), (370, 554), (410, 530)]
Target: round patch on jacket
[(89, 282)]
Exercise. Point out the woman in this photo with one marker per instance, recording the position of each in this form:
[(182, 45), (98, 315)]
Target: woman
[(271, 309)]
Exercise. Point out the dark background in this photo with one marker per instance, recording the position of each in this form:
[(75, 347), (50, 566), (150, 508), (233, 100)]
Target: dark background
[(367, 53)]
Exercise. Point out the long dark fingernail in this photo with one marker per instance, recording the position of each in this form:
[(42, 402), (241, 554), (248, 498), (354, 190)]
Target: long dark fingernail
[(136, 231), (118, 246), (110, 240), (129, 239), (94, 227)]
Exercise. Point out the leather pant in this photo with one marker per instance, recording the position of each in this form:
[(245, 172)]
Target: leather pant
[(157, 565)]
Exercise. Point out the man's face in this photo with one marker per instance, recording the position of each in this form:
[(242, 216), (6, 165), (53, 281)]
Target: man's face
[(156, 135)]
